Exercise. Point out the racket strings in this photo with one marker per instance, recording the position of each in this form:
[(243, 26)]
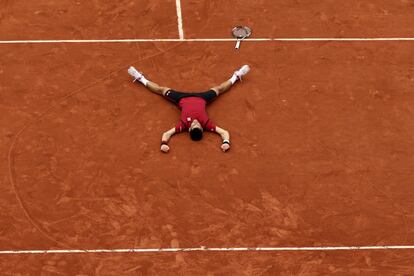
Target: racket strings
[(240, 32)]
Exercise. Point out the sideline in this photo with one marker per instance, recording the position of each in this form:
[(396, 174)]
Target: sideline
[(180, 19)]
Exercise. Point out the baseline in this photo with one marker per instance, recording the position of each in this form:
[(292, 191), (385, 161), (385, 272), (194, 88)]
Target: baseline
[(207, 40), (216, 249)]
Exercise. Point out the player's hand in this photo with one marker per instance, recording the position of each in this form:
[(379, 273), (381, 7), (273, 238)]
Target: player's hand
[(225, 147), (165, 148)]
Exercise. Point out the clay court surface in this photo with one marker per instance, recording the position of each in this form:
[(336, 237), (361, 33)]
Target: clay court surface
[(322, 138)]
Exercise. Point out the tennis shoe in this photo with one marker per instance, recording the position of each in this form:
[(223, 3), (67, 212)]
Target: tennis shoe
[(242, 71), (134, 73)]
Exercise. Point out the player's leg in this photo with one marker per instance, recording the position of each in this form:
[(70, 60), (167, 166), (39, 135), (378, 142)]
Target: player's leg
[(155, 88), (225, 86), (152, 86)]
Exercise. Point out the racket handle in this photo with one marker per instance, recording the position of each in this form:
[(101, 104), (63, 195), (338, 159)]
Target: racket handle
[(238, 44)]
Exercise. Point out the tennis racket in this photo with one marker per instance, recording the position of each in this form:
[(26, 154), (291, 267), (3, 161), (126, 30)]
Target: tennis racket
[(240, 33)]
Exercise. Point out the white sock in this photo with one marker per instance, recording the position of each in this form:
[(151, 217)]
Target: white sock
[(143, 80), (233, 79)]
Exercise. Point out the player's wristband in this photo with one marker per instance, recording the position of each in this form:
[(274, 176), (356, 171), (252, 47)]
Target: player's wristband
[(225, 141), (164, 143)]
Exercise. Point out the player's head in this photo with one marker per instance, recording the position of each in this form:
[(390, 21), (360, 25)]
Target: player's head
[(196, 131)]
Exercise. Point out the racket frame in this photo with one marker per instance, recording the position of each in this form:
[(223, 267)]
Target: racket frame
[(239, 38)]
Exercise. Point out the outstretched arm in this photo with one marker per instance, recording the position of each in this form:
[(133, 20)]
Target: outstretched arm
[(166, 136), (225, 146)]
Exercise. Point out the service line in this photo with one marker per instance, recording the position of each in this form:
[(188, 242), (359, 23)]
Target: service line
[(206, 249), (180, 19), (378, 39)]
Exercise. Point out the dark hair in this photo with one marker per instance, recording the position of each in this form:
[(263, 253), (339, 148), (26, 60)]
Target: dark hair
[(196, 134)]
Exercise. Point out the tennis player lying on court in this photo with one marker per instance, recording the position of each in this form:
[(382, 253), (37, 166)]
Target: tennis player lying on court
[(194, 117)]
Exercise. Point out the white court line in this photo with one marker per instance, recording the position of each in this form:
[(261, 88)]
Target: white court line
[(205, 40), (226, 249), (180, 19)]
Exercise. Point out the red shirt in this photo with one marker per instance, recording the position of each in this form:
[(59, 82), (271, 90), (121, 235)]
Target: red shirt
[(193, 108)]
